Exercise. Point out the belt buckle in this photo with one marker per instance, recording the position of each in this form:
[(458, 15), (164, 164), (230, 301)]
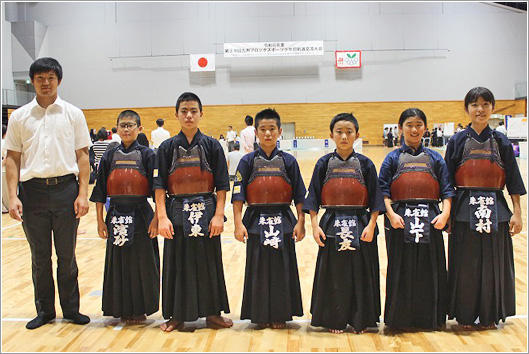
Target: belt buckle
[(54, 179)]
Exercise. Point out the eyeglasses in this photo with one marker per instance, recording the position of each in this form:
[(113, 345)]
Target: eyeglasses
[(127, 125)]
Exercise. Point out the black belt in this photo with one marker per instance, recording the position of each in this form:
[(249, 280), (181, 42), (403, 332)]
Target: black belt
[(51, 181)]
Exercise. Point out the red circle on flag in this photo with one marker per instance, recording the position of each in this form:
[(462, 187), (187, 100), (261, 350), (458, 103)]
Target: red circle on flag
[(202, 62)]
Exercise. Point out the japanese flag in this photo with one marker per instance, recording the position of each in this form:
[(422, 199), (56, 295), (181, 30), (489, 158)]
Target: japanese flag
[(202, 62)]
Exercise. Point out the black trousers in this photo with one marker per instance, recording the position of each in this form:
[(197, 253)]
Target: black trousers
[(47, 209), (231, 145)]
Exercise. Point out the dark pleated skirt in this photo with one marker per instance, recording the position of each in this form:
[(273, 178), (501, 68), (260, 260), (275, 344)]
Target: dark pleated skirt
[(131, 285), (193, 277), (346, 287), (271, 282), (480, 275), (416, 281)]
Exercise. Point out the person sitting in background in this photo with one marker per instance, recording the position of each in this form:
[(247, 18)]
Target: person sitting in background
[(426, 137)]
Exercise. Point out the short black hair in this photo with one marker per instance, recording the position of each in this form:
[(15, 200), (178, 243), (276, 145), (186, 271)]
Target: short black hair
[(114, 130), (43, 65), (188, 96), (236, 145), (248, 120), (268, 113), (4, 129), (129, 113), (159, 122), (412, 112), (102, 134), (344, 116), (142, 139), (474, 94)]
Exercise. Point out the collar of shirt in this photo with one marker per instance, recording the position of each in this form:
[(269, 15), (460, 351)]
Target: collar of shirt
[(130, 148), (409, 149), (194, 141), (348, 157), (484, 135), (58, 102), (274, 153)]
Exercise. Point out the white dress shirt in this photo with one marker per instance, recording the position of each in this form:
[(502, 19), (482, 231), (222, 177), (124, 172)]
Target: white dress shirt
[(47, 138), (158, 136), (116, 138), (231, 135), (247, 139), (501, 129)]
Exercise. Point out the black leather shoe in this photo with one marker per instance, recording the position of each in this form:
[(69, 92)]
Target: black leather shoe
[(77, 318), (39, 321)]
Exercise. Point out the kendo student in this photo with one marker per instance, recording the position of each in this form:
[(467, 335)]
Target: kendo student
[(131, 285), (413, 179), (346, 288), (190, 168), (481, 163), (268, 179)]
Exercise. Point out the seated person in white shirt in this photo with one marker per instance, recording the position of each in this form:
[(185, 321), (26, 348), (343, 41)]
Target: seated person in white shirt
[(159, 134)]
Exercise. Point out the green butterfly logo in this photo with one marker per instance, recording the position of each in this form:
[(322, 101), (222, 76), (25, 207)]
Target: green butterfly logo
[(351, 56)]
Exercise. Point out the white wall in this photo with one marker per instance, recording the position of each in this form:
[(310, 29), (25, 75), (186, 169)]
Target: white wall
[(486, 46), (7, 58)]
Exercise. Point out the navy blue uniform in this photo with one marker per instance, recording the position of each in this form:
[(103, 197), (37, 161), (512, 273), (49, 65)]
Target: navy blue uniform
[(416, 280), (481, 268), (131, 285), (346, 287), (193, 283), (271, 284)]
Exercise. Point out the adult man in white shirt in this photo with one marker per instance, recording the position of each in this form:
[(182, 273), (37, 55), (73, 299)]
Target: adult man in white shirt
[(115, 136), (248, 136), (233, 160), (230, 137), (47, 148), (160, 134)]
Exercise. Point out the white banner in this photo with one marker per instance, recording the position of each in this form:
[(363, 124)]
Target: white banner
[(273, 49), (202, 62)]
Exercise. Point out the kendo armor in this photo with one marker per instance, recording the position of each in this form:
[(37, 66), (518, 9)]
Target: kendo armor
[(481, 166), (415, 179), (269, 183), (344, 184), (127, 175), (190, 173)]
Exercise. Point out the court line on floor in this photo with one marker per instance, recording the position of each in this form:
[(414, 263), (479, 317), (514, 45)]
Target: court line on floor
[(10, 226)]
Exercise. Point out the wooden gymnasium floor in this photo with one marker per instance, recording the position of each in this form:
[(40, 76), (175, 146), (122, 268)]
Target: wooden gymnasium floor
[(108, 334)]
